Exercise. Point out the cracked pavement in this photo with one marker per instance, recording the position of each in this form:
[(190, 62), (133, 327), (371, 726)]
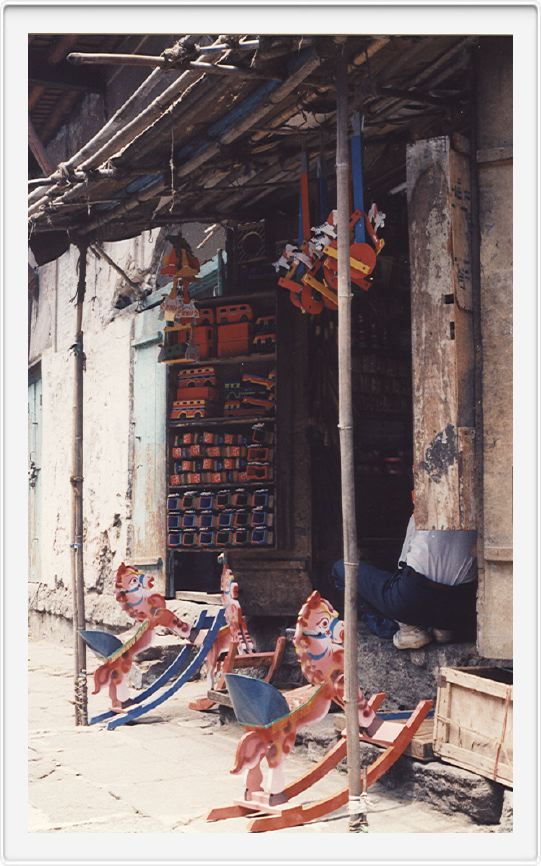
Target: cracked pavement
[(163, 773)]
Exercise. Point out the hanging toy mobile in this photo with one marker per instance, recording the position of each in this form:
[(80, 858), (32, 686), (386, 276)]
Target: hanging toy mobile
[(182, 265), (310, 271)]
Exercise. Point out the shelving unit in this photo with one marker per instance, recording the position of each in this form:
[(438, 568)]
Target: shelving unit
[(213, 503)]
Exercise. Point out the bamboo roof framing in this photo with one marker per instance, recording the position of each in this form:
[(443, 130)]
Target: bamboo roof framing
[(190, 144)]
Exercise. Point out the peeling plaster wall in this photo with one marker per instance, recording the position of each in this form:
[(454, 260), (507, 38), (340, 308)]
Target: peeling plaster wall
[(107, 427), (110, 423)]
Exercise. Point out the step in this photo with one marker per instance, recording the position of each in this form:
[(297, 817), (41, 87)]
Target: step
[(449, 789), (420, 747)]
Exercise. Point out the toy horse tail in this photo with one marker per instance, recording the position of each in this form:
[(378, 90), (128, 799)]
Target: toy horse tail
[(251, 749), (101, 677)]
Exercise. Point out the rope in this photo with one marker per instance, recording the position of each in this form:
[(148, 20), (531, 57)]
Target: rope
[(81, 699), (358, 808), (67, 172)]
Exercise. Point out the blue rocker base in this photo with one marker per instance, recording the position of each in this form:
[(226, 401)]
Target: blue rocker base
[(181, 668)]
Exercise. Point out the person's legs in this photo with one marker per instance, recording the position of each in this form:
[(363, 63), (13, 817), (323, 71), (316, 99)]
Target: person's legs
[(389, 595), (413, 601), (370, 583), (411, 637)]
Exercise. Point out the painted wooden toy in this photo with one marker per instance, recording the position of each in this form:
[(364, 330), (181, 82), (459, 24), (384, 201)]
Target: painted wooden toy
[(271, 720), (222, 642), (135, 593), (181, 264), (309, 271), (234, 647)]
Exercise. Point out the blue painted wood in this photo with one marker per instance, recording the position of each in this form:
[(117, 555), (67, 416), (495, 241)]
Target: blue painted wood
[(256, 703), (324, 208), (205, 138), (357, 177), (217, 129), (103, 643), (186, 675), (179, 664), (403, 714)]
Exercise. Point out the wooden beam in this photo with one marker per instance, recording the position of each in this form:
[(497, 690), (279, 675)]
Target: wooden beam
[(62, 108), (35, 95), (345, 425), (38, 150), (438, 189), (62, 46), (86, 59)]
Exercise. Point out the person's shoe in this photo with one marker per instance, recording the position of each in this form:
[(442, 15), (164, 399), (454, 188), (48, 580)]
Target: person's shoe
[(443, 635), (411, 637)]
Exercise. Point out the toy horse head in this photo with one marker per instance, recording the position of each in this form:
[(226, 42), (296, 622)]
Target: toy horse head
[(132, 588), (233, 611), (319, 639)]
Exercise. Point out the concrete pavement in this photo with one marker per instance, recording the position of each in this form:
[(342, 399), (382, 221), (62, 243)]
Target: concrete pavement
[(164, 773)]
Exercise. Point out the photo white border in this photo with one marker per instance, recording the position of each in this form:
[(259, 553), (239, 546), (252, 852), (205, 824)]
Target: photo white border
[(522, 21)]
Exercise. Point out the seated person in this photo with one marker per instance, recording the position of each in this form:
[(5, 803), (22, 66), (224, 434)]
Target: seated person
[(434, 586)]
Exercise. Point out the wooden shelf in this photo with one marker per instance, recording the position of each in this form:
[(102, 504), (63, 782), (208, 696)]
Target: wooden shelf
[(225, 300), (198, 597), (221, 422), (214, 548), (225, 486), (255, 357)]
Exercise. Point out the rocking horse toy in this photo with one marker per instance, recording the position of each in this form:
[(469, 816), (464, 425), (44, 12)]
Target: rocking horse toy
[(222, 641), (135, 593), (271, 720), (234, 647)]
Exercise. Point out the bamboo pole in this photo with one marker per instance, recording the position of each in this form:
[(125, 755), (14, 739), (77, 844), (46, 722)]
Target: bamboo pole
[(86, 59), (232, 133), (345, 425), (124, 115), (77, 561), (162, 63), (247, 45)]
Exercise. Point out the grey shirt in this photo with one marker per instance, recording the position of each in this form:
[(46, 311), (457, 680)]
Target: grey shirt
[(442, 555)]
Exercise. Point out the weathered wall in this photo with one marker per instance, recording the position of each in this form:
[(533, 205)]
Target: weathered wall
[(438, 178), (108, 421), (124, 424), (495, 179)]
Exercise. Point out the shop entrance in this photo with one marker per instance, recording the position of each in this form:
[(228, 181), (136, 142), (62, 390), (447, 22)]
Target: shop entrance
[(382, 401)]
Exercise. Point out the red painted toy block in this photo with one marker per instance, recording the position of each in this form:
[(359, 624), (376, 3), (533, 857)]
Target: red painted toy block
[(233, 313), (203, 337), (199, 392), (197, 376), (234, 339)]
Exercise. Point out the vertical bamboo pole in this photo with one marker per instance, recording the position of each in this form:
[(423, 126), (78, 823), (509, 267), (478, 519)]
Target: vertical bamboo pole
[(345, 425), (77, 568)]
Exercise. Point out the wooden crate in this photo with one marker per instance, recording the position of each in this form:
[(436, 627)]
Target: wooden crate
[(474, 721)]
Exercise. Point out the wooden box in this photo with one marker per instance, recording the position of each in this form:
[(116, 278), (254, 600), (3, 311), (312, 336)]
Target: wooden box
[(473, 725)]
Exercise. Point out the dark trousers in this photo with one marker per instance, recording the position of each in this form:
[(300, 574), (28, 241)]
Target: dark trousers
[(409, 597)]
